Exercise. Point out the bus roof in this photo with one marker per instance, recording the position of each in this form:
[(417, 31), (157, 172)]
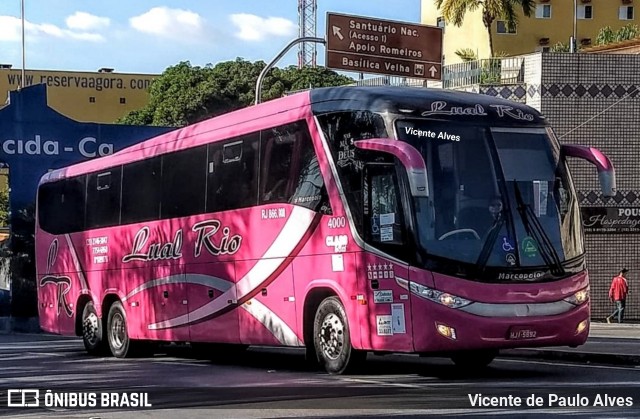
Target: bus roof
[(411, 101), (422, 101)]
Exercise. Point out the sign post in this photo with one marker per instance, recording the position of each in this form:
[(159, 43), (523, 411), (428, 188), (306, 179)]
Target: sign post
[(362, 44)]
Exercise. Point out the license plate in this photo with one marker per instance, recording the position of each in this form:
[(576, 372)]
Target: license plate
[(522, 332)]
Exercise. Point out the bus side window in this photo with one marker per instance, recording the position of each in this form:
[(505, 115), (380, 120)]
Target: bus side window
[(184, 182), (382, 209), (141, 191), (232, 174), (277, 146), (103, 198), (61, 205)]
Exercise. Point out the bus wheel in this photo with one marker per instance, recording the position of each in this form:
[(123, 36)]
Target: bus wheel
[(92, 336), (474, 359), (117, 335), (332, 339)]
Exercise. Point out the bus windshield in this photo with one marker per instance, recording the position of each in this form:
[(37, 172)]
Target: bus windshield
[(501, 197)]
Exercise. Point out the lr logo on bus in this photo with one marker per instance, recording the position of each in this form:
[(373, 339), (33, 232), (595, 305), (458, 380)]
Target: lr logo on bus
[(62, 283), (23, 398)]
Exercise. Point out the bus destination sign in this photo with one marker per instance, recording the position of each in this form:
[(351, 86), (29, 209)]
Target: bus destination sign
[(366, 45)]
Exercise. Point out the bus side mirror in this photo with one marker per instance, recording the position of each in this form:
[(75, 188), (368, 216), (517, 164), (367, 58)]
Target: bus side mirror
[(606, 172), (409, 157)]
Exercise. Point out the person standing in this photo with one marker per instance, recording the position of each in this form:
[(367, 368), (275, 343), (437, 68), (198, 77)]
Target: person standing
[(618, 294)]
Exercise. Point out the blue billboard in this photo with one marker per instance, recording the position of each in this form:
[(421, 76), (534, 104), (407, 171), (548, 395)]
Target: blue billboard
[(34, 139)]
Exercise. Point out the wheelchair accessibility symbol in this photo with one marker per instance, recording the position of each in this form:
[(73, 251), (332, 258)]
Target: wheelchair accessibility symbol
[(506, 246)]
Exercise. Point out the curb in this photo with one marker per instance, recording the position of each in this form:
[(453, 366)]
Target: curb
[(582, 357)]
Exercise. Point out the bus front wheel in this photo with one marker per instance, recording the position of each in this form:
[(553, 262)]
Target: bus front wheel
[(332, 340), (92, 335)]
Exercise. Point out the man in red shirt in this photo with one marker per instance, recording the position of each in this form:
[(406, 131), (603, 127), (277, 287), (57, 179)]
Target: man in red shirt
[(618, 294)]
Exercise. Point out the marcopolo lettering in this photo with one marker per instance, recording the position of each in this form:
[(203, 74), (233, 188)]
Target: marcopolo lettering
[(520, 276)]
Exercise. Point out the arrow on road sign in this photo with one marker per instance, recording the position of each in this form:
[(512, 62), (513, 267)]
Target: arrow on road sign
[(433, 70), (336, 32)]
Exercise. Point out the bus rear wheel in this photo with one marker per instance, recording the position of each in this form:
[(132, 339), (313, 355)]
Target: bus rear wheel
[(474, 359), (118, 336), (92, 335), (332, 340)]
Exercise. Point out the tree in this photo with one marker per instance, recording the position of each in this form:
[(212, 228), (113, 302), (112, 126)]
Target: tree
[(455, 10), (184, 94), (560, 47), (607, 35)]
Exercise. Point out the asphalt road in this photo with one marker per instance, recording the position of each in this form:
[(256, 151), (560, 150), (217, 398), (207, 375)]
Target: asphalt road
[(269, 383)]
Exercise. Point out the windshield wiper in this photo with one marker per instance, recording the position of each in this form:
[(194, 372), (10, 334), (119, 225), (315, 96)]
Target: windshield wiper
[(533, 228), (483, 257)]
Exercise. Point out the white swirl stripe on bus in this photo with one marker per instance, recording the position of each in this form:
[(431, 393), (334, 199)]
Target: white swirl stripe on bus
[(76, 262), (291, 234), (196, 279), (272, 322)]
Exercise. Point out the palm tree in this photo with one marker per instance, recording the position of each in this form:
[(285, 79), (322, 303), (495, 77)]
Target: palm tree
[(454, 10)]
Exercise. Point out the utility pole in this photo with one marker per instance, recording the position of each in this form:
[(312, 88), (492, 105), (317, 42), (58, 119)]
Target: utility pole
[(307, 18), (573, 47), (23, 49)]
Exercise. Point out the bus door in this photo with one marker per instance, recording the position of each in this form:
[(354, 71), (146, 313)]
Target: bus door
[(389, 319)]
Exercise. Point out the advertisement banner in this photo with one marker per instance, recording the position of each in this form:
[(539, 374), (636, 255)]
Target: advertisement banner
[(612, 220)]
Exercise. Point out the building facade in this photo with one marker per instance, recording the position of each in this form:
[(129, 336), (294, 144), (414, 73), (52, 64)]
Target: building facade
[(551, 22), (102, 96)]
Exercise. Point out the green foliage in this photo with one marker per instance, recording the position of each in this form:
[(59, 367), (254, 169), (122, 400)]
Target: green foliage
[(454, 11), (607, 35), (560, 47), (467, 54), (184, 94), (4, 207)]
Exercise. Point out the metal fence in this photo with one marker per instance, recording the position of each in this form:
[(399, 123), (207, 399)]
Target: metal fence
[(482, 72)]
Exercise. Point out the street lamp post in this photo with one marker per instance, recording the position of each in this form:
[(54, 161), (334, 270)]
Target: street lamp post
[(23, 53), (574, 43)]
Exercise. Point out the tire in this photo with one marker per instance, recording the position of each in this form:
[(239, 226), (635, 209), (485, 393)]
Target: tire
[(474, 360), (92, 333), (332, 339), (118, 336)]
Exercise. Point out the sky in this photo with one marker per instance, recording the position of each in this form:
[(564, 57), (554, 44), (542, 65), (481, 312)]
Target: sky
[(147, 36)]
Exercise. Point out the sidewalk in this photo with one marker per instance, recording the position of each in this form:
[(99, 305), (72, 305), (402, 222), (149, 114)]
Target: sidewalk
[(607, 343)]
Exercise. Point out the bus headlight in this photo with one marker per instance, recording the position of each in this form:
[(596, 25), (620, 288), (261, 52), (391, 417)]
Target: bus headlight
[(579, 297), (446, 299)]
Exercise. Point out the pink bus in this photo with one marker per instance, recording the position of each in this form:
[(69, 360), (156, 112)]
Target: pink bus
[(342, 220)]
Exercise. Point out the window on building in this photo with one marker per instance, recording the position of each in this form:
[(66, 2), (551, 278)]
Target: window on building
[(505, 27), (92, 99), (123, 100), (440, 22), (543, 11), (626, 13), (585, 12)]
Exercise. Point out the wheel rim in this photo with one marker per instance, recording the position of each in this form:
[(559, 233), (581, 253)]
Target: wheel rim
[(90, 329), (332, 336), (117, 332)]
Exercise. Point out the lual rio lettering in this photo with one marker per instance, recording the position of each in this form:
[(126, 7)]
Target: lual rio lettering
[(142, 250), (209, 237), (214, 243)]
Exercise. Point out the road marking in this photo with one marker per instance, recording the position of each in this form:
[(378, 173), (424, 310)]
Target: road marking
[(521, 361)]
